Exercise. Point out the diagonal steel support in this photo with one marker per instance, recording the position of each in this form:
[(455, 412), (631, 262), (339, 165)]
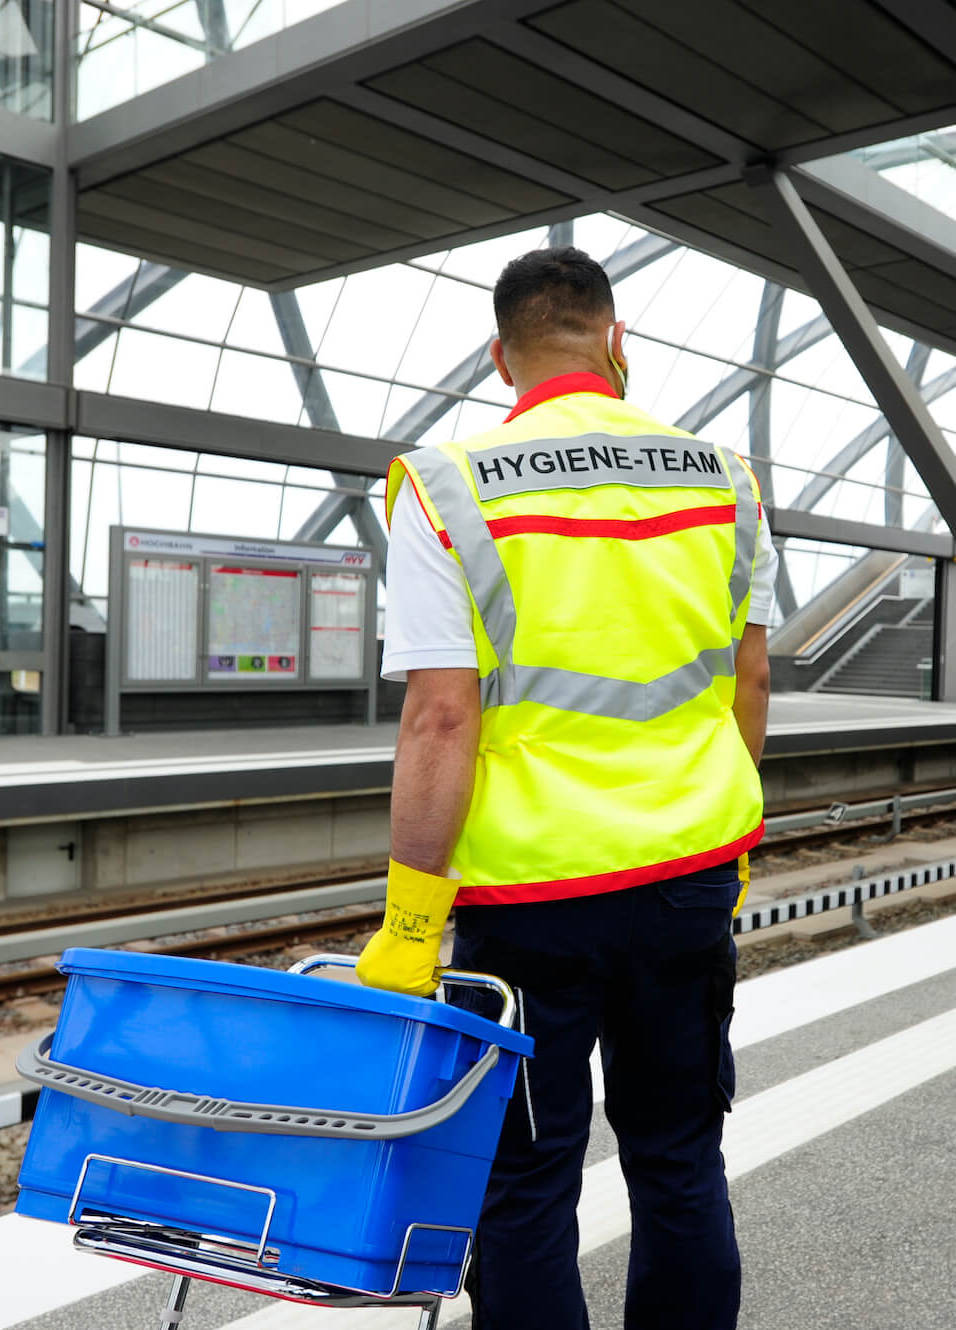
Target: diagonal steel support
[(895, 393), (321, 413), (895, 470)]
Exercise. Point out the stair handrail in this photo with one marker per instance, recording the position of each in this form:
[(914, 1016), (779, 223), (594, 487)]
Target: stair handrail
[(851, 654), (841, 629)]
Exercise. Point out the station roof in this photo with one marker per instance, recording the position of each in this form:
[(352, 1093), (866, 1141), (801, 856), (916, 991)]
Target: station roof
[(379, 131)]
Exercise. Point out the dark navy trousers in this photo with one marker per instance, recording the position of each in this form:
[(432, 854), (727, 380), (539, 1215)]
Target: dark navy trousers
[(649, 972)]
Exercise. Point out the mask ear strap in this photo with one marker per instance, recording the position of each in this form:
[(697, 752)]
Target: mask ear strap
[(619, 369)]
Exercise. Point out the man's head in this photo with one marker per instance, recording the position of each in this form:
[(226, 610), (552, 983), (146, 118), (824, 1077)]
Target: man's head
[(555, 315)]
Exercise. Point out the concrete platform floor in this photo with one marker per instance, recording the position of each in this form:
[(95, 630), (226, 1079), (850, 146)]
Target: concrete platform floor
[(791, 714), (838, 1150)]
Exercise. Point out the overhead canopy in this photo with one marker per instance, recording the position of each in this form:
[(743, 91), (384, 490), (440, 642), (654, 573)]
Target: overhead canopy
[(374, 132)]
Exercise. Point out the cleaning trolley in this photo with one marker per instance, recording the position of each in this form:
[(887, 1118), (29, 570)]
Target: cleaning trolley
[(281, 1132)]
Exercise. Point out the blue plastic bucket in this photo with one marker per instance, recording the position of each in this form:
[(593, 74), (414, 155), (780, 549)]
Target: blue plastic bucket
[(234, 1033)]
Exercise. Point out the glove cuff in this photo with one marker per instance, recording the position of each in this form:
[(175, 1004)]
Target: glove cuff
[(417, 902)]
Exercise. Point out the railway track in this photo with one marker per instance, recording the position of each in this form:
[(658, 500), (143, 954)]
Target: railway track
[(36, 972), (41, 975)]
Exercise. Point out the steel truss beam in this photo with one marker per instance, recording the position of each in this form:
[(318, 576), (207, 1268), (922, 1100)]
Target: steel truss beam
[(742, 380), (796, 524), (851, 453), (895, 393), (321, 413), (895, 457), (852, 191)]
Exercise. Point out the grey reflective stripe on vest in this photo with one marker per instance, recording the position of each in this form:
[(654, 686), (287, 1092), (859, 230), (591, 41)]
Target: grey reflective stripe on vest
[(566, 690), (475, 546), (598, 695), (745, 532)]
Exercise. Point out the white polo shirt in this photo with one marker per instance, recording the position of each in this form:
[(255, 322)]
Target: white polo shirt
[(428, 610)]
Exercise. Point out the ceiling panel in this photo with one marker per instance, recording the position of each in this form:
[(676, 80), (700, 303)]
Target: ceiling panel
[(103, 227), (335, 228), (645, 55), (752, 49), (108, 203), (276, 232), (385, 142), (456, 102), (282, 180), (874, 49), (280, 140)]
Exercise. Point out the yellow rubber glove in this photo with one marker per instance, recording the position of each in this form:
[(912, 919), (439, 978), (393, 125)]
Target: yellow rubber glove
[(743, 872), (403, 954)]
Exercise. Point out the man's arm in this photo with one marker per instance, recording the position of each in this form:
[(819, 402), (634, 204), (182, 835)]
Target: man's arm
[(434, 766), (753, 688), (431, 791)]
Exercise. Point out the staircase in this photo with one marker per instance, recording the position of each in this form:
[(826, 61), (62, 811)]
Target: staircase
[(886, 661)]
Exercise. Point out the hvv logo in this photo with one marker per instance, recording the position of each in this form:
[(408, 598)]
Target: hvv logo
[(355, 558)]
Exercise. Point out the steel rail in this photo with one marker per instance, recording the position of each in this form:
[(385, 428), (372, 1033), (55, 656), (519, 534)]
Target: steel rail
[(50, 941), (840, 814)]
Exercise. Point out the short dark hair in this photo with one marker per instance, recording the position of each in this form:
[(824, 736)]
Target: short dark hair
[(551, 291)]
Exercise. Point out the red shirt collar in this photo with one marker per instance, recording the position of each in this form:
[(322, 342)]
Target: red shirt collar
[(560, 387)]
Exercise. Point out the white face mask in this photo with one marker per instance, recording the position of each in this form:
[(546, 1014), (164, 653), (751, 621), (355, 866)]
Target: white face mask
[(619, 369)]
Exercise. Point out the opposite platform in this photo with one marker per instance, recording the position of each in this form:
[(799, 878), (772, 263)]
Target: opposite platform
[(90, 776)]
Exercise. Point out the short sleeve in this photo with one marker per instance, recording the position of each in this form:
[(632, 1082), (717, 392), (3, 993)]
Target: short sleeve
[(765, 575), (427, 606)]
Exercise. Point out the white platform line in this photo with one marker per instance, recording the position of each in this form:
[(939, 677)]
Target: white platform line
[(760, 1129), (40, 1270), (56, 773), (773, 1004)]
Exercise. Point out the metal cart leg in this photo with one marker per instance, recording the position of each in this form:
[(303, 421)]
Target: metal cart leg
[(173, 1315), (429, 1317)]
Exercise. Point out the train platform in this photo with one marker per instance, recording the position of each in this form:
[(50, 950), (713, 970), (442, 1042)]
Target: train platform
[(84, 776), (838, 1151)]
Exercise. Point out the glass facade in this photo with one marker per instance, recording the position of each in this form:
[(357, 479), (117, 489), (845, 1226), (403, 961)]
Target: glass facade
[(25, 268), (22, 499), (127, 47), (923, 164), (400, 353), (26, 57)]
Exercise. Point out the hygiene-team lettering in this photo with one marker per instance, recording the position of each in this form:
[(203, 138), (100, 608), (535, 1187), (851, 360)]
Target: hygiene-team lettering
[(596, 459)]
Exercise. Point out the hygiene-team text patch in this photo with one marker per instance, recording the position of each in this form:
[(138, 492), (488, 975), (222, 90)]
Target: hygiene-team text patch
[(596, 459)]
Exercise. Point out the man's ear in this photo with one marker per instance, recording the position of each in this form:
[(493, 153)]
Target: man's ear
[(618, 341), (498, 356)]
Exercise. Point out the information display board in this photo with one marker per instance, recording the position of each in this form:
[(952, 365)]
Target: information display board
[(162, 624), (194, 612), (253, 626), (337, 645)]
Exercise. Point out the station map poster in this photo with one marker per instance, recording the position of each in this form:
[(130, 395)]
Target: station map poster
[(253, 623), (337, 645), (161, 631)]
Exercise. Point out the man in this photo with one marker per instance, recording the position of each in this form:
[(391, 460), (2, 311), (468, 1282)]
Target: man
[(572, 598)]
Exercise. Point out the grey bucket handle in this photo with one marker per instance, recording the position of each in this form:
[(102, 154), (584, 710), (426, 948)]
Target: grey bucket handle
[(34, 1064)]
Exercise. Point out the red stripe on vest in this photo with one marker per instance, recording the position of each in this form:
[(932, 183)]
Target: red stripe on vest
[(638, 528), (519, 893)]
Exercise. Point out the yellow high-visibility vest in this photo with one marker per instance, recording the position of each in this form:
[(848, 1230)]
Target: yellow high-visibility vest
[(609, 560)]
